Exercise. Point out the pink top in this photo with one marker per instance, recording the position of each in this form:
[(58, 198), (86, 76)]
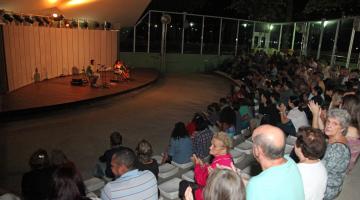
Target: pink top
[(202, 173), (354, 144)]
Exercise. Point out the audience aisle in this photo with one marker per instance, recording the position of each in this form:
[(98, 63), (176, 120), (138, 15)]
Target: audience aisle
[(83, 133)]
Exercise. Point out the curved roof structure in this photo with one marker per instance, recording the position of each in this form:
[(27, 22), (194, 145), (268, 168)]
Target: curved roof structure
[(118, 12)]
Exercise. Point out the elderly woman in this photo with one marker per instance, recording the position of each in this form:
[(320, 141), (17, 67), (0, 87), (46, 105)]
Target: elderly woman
[(220, 147), (337, 155)]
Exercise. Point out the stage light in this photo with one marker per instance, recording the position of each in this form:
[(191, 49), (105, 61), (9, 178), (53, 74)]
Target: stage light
[(107, 25), (244, 25), (46, 21), (8, 18), (96, 25), (191, 24), (67, 25), (74, 24), (29, 20), (18, 18), (55, 15), (39, 20), (85, 24)]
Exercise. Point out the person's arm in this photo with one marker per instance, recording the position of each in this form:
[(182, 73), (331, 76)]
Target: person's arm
[(316, 110)]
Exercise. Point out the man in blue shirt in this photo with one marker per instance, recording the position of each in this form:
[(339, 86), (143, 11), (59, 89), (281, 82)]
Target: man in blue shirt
[(131, 183), (280, 178)]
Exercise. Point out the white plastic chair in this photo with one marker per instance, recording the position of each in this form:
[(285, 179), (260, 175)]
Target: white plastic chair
[(170, 188), (94, 184), (167, 170), (188, 176)]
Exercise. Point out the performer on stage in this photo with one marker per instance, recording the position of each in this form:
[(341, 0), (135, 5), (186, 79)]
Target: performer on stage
[(93, 76), (121, 70)]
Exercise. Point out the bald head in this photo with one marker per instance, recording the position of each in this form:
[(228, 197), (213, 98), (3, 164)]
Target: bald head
[(271, 140)]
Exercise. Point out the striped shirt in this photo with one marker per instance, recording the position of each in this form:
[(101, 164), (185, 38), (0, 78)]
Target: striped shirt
[(132, 185)]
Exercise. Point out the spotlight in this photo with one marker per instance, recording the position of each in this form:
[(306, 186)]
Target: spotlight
[(29, 20), (18, 18), (8, 17), (57, 17)]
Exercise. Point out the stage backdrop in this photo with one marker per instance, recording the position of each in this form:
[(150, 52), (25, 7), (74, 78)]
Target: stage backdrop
[(54, 51)]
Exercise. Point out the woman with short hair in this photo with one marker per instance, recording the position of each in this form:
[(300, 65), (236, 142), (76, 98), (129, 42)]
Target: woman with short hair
[(337, 155), (310, 146), (220, 147), (144, 153)]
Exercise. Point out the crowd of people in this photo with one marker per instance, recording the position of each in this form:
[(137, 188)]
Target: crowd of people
[(275, 97)]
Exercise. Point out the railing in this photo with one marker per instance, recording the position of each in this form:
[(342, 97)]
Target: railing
[(203, 34)]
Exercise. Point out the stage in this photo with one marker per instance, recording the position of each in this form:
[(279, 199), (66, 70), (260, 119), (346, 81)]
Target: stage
[(59, 92)]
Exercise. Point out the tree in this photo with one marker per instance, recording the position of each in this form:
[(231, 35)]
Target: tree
[(331, 8), (263, 10)]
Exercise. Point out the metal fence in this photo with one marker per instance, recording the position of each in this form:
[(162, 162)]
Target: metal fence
[(337, 40)]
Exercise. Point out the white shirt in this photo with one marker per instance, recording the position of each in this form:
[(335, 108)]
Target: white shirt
[(298, 118), (314, 177)]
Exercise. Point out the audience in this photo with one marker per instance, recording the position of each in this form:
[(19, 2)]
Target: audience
[(145, 162), (201, 140), (180, 147), (116, 145), (67, 184), (130, 183), (35, 184), (224, 184), (220, 147), (310, 147), (337, 155), (280, 178)]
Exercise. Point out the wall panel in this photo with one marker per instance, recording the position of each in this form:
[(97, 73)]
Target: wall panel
[(81, 48), (54, 51), (64, 47), (47, 55)]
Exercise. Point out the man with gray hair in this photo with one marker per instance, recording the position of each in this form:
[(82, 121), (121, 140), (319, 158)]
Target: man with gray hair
[(280, 178)]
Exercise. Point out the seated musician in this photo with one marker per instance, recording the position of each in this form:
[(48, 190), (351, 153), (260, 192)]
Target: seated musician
[(93, 76), (121, 70)]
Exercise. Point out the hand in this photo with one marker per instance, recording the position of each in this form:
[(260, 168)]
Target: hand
[(196, 160), (281, 108), (188, 194), (314, 108)]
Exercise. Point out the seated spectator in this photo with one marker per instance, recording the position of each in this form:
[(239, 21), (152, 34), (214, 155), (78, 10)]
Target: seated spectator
[(213, 111), (220, 147), (130, 183), (310, 147), (180, 147), (296, 118), (115, 143), (67, 184), (222, 184), (351, 103), (280, 178), (337, 155), (35, 184), (58, 159), (145, 162), (201, 140), (268, 110), (317, 95)]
